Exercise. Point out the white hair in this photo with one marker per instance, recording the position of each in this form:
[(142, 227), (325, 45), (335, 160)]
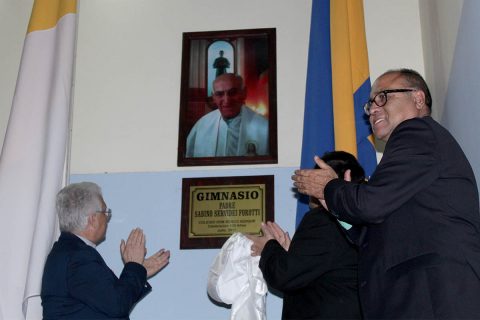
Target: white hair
[(75, 203)]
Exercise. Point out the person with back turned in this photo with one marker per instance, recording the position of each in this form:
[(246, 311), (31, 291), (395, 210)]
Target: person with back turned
[(317, 271), (77, 283)]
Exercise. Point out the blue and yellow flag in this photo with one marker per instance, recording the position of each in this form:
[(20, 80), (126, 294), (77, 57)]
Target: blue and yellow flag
[(338, 84)]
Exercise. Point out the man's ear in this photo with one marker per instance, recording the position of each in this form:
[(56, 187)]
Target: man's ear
[(419, 97), (92, 222), (347, 176)]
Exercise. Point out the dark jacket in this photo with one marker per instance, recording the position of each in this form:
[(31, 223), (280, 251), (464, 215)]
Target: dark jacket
[(77, 284), (318, 274), (420, 250)]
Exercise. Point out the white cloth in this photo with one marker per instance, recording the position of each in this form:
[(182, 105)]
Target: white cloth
[(208, 137), (236, 279)]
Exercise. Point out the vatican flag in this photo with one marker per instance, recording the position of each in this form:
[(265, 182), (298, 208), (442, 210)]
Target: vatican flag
[(32, 160)]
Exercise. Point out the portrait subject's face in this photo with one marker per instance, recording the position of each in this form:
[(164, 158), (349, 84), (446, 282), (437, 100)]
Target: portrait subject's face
[(228, 95)]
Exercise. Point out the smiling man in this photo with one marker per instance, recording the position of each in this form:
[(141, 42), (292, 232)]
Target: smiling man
[(419, 255), (232, 129)]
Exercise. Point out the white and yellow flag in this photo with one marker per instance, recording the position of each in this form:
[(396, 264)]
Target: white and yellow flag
[(33, 155)]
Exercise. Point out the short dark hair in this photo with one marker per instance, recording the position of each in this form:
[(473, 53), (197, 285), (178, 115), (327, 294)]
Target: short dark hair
[(415, 80), (341, 161)]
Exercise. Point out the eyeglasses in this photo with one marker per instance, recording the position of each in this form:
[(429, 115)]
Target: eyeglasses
[(381, 99), (107, 212)]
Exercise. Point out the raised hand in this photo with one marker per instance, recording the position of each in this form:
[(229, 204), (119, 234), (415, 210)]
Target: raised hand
[(347, 176), (312, 182), (156, 262), (260, 241), (133, 250), (281, 236)]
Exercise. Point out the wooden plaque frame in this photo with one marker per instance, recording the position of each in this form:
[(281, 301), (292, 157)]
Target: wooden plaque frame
[(214, 208)]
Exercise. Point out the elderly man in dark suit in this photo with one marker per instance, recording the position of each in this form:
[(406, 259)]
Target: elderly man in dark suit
[(420, 248), (77, 283)]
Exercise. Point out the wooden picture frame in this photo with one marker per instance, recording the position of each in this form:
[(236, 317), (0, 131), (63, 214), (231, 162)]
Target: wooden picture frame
[(250, 54), (215, 208)]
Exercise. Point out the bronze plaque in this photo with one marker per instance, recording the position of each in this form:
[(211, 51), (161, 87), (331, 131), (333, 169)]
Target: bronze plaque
[(215, 208)]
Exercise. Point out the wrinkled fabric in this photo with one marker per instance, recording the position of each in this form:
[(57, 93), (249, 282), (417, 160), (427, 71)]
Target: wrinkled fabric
[(235, 278), (208, 137)]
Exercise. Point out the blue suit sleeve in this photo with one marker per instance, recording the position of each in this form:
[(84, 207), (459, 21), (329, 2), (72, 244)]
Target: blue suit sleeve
[(91, 281)]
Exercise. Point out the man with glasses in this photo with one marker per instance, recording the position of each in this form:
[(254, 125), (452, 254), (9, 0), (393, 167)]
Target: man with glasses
[(77, 283), (420, 246), (233, 129)]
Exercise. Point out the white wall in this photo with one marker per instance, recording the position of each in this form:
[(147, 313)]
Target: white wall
[(127, 92), (393, 35)]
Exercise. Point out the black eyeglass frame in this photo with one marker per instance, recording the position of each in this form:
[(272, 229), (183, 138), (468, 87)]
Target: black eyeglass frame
[(368, 105)]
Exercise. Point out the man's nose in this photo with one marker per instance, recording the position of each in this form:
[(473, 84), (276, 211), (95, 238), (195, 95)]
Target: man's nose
[(226, 98), (374, 108)]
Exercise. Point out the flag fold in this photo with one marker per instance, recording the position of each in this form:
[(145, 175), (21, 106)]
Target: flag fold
[(33, 156), (338, 84)]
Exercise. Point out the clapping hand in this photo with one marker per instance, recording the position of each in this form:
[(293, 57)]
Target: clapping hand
[(260, 241), (270, 230), (156, 262), (281, 236), (133, 250)]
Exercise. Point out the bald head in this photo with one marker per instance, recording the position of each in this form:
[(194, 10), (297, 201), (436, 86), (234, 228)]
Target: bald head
[(395, 97), (413, 79)]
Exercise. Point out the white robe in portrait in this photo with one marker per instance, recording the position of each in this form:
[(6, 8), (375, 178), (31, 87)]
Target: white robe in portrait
[(208, 137)]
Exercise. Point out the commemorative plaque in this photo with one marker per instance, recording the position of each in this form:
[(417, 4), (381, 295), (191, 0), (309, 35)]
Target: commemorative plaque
[(215, 208)]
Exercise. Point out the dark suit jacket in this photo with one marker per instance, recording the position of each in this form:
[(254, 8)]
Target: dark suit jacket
[(318, 274), (420, 252), (77, 284)]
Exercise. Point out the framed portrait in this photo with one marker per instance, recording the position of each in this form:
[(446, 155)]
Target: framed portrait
[(215, 208), (228, 99)]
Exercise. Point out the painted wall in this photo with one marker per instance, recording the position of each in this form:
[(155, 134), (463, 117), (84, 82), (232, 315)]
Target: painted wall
[(125, 126), (137, 52), (393, 35)]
